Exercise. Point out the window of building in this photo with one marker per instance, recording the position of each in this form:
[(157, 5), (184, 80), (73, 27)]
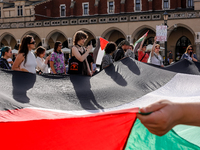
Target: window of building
[(137, 5), (85, 8), (165, 4), (190, 3), (19, 10), (110, 7), (62, 10)]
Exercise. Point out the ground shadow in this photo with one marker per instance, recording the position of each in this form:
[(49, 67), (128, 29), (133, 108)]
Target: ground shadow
[(83, 91), (110, 70), (22, 82)]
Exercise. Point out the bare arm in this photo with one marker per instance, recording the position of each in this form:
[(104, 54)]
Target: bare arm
[(167, 114), (52, 67), (140, 49), (153, 47), (16, 65), (78, 56)]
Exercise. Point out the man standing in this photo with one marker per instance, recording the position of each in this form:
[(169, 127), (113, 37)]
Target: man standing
[(122, 47), (6, 52)]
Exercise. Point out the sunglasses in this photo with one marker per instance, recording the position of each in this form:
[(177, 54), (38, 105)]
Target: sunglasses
[(32, 42), (60, 45), (190, 49)]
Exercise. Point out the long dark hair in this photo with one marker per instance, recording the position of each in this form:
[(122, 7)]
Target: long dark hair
[(78, 36), (56, 46), (23, 48)]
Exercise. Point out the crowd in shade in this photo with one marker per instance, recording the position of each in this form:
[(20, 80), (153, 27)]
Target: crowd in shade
[(80, 61)]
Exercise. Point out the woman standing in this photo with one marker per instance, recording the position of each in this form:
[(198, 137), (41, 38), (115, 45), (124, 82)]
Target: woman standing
[(78, 63), (155, 57), (107, 58), (25, 60), (41, 62), (57, 60), (189, 54)]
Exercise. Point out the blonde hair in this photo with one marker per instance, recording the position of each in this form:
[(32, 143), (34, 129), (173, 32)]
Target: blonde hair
[(157, 45), (188, 48)]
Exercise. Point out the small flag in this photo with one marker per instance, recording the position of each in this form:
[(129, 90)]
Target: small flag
[(138, 42), (99, 50)]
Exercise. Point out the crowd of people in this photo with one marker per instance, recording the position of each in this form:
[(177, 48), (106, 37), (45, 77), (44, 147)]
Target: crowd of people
[(80, 62)]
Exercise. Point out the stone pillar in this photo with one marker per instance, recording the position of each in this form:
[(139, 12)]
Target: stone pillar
[(70, 42), (128, 38), (197, 45), (44, 43)]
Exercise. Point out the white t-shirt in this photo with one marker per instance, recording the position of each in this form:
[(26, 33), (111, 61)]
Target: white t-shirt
[(156, 59), (30, 64), (9, 60), (41, 65)]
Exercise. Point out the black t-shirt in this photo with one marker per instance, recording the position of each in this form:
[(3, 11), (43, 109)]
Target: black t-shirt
[(119, 54), (4, 64), (90, 59), (170, 56)]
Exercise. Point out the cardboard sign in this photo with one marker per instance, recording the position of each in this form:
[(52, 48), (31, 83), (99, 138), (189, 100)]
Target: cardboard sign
[(161, 33)]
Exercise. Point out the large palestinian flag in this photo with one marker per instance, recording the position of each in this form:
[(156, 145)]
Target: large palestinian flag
[(95, 113)]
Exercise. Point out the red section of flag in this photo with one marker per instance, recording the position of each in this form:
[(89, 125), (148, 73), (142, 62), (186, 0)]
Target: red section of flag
[(104, 132), (103, 43)]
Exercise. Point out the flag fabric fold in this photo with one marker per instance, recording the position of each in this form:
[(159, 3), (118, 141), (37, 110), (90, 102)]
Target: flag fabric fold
[(81, 112)]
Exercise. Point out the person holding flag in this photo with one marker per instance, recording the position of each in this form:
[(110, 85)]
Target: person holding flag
[(142, 55)]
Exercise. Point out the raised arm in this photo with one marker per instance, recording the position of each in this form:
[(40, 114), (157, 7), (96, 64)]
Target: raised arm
[(140, 49), (153, 47)]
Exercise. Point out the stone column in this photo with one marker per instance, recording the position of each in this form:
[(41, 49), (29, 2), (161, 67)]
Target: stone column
[(197, 45), (70, 42)]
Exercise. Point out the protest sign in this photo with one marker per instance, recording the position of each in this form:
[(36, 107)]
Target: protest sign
[(161, 33)]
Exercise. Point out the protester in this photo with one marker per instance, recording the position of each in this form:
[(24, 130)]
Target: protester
[(42, 64), (170, 57), (189, 54), (129, 52), (107, 58), (25, 60), (165, 115), (122, 47), (6, 52), (155, 57), (78, 63), (57, 60)]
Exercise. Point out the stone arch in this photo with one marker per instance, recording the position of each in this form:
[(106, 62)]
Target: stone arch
[(114, 34), (175, 34), (141, 31), (8, 39), (53, 36)]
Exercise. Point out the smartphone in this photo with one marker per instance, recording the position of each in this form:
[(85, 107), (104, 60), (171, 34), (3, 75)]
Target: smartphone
[(190, 54)]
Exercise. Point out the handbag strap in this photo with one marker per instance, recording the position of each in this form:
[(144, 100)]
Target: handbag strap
[(143, 56)]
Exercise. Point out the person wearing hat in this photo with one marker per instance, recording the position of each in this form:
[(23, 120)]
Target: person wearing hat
[(6, 53), (122, 47)]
